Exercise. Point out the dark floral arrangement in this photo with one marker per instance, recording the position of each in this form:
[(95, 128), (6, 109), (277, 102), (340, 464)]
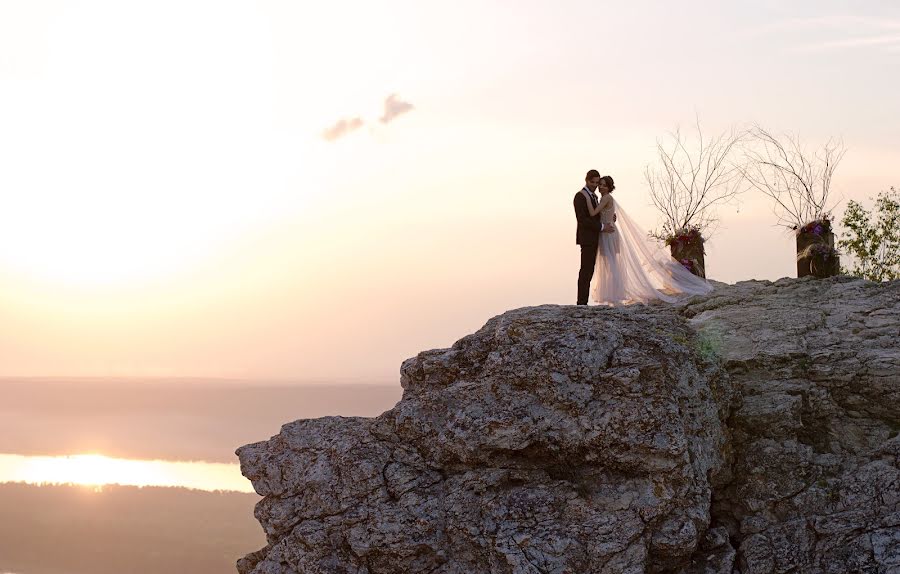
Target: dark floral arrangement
[(686, 237), (817, 227)]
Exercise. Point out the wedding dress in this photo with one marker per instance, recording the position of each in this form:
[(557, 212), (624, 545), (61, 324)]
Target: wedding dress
[(631, 268)]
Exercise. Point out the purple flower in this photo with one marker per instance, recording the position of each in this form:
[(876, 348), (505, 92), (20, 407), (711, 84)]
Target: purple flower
[(817, 230)]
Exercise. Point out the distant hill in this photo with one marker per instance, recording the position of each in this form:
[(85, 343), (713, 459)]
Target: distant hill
[(172, 420), (74, 530)]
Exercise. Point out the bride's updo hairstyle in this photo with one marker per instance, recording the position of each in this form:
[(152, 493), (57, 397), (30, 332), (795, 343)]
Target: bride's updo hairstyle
[(608, 180)]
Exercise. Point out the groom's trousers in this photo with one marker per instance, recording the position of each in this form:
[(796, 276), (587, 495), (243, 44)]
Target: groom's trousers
[(588, 261)]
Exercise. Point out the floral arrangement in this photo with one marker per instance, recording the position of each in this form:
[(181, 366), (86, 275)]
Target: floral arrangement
[(685, 237), (817, 227), (818, 251)]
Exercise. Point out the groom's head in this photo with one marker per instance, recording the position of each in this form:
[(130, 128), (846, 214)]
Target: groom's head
[(592, 179)]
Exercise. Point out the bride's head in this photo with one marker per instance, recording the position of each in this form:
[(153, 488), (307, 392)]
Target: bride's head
[(606, 184)]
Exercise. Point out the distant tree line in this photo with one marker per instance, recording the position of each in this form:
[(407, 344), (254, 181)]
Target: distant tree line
[(76, 530)]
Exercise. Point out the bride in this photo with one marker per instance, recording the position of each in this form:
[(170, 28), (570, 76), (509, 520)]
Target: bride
[(630, 268)]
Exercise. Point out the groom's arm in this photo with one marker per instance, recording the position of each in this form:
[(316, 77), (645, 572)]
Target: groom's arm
[(583, 214)]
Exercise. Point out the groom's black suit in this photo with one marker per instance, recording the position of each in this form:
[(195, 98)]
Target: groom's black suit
[(588, 237)]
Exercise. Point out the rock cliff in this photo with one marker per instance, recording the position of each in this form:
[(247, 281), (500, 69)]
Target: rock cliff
[(752, 430)]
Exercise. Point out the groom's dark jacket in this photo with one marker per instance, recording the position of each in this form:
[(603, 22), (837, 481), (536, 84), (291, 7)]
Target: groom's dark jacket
[(588, 232)]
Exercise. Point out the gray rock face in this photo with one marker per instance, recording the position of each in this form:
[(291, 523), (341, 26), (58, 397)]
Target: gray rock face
[(815, 482), (751, 430)]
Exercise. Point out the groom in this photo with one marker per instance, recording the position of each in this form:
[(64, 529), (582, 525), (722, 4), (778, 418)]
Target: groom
[(588, 233)]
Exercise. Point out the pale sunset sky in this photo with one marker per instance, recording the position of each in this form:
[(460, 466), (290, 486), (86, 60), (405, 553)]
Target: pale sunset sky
[(171, 205)]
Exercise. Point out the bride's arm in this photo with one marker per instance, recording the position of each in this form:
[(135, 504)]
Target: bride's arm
[(583, 213), (594, 211), (603, 203)]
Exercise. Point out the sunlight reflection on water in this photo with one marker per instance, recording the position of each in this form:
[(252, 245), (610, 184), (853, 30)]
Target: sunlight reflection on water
[(98, 470)]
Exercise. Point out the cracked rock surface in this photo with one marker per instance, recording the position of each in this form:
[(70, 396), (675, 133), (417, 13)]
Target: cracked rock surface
[(815, 484), (750, 430)]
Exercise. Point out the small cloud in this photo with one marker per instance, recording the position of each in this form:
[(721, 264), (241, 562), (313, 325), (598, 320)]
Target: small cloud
[(393, 107), (342, 128)]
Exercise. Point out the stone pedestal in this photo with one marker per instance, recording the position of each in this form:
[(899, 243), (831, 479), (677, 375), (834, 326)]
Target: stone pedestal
[(691, 256)]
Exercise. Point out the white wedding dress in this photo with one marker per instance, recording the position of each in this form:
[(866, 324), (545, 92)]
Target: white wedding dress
[(631, 268)]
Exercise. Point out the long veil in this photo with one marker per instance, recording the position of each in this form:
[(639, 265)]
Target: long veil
[(631, 268)]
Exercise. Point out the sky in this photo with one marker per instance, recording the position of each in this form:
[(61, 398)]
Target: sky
[(299, 191)]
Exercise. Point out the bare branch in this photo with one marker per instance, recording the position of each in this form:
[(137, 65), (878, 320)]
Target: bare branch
[(692, 177), (782, 169)]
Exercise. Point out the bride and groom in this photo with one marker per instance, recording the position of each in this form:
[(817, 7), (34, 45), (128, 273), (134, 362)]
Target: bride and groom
[(619, 258)]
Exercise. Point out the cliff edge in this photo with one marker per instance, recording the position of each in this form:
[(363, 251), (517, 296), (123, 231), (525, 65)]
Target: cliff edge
[(751, 430)]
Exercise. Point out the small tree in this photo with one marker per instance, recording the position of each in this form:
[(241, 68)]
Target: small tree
[(691, 178), (798, 181), (874, 243)]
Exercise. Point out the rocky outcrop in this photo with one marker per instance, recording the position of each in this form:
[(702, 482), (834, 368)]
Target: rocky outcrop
[(815, 483), (751, 430)]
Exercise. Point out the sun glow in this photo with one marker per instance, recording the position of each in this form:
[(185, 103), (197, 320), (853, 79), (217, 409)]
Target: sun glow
[(98, 470), (127, 158)]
